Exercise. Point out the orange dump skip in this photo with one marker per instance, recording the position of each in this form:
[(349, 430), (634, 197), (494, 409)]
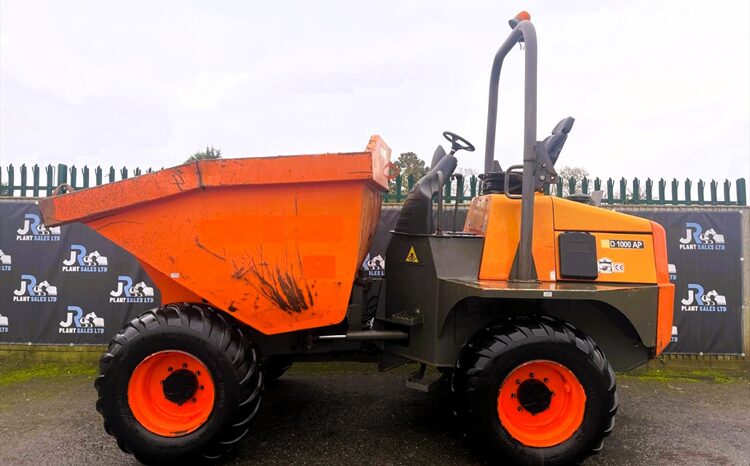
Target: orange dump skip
[(274, 241)]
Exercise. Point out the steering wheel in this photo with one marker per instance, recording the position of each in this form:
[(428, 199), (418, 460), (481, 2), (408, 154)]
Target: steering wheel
[(457, 142)]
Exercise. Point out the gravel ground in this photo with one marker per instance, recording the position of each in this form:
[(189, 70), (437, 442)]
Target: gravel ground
[(370, 418)]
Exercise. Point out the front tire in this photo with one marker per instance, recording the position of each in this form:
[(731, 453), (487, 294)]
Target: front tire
[(179, 384), (536, 391)]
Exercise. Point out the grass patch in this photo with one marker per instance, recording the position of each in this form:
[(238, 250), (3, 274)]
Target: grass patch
[(689, 375), (13, 375)]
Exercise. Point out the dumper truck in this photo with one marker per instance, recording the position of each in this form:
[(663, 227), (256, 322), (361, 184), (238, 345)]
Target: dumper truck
[(524, 312)]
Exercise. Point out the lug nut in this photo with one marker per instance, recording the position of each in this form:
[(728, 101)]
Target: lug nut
[(546, 380), (197, 373), (169, 369), (513, 395), (518, 382), (531, 374), (520, 409), (194, 400), (184, 365)]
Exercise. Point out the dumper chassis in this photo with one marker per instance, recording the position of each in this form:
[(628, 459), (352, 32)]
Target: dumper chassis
[(524, 311)]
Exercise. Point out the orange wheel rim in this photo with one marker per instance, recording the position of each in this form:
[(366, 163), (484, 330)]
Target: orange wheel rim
[(171, 393), (541, 403)]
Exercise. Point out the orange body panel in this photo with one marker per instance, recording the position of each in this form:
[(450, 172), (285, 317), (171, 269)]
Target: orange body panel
[(500, 219), (666, 290), (274, 241), (634, 265), (575, 216)]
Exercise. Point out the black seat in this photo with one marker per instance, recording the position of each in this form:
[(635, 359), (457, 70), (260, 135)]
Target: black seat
[(494, 182)]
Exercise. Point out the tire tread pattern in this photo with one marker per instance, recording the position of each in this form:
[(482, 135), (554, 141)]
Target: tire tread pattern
[(224, 335)]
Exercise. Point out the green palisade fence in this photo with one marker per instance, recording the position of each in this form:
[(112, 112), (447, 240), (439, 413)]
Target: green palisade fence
[(26, 181)]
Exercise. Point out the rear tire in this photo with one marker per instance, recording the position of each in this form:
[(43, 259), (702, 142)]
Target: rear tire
[(137, 385), (536, 391)]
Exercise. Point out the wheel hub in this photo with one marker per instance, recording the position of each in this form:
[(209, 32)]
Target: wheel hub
[(534, 396), (180, 386), (171, 393), (541, 403)]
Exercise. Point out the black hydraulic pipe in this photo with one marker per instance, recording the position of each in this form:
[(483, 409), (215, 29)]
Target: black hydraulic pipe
[(523, 32)]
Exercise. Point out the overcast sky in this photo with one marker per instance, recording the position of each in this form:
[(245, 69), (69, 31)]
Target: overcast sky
[(658, 88)]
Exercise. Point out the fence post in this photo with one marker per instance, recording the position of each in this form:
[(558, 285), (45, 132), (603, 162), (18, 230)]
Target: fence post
[(50, 179), (112, 178), (85, 173), (623, 190), (473, 186), (701, 196), (662, 191), (124, 173), (558, 187), (585, 185), (74, 177), (62, 174), (11, 182), (447, 191), (35, 177), (675, 196), (636, 198), (460, 190), (23, 180), (688, 185), (714, 187), (649, 191), (571, 186), (610, 191), (727, 189), (410, 182), (741, 193), (98, 175)]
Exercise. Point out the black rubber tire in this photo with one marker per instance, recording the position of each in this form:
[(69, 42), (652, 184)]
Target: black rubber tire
[(492, 354), (222, 347), (276, 366)]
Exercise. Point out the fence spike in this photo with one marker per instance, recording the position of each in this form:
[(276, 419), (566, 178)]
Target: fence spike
[(741, 192), (727, 190), (35, 177)]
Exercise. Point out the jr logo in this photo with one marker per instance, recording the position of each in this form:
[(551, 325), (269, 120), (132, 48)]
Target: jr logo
[(81, 261), (698, 300), (127, 293), (31, 292), (34, 230), (696, 239), (76, 322)]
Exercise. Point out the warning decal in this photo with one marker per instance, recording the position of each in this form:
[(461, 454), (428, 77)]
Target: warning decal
[(412, 256)]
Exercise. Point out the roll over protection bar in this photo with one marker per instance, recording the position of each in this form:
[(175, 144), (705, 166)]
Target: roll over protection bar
[(523, 31)]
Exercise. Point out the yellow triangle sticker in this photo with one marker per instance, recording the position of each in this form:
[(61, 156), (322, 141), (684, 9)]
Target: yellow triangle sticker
[(412, 256)]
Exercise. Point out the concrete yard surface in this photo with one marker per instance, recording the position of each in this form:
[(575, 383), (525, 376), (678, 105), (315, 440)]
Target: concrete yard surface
[(350, 414)]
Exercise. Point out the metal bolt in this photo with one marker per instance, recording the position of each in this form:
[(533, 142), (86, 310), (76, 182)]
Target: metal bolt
[(184, 365), (520, 409), (194, 400), (197, 373), (531, 374), (513, 395), (518, 382), (169, 369), (546, 380)]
